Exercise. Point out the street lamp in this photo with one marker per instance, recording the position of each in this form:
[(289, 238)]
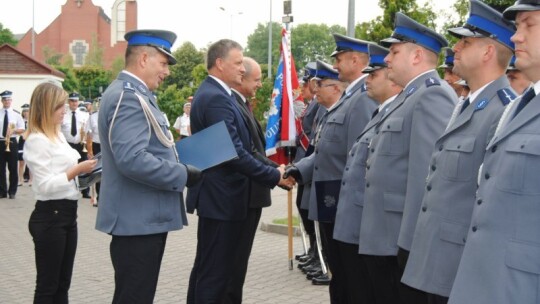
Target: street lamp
[(231, 14)]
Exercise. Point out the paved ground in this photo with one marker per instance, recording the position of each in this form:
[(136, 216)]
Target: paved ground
[(268, 279)]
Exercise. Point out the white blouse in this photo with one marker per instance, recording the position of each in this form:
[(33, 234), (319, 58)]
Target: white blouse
[(48, 161)]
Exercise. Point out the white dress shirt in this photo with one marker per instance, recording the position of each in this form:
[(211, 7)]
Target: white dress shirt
[(81, 118), (92, 127), (48, 161), (13, 118), (181, 124)]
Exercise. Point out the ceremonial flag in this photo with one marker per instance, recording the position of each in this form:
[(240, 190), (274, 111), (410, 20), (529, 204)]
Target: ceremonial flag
[(284, 126)]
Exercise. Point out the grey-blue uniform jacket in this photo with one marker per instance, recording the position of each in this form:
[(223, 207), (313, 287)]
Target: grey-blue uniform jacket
[(398, 160), (308, 126), (501, 260), (351, 193), (142, 181), (446, 210), (340, 128)]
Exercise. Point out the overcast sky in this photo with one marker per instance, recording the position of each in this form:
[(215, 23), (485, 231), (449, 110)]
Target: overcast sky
[(202, 21)]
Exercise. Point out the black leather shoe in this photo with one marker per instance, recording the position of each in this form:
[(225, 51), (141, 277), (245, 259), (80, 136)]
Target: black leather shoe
[(86, 196), (3, 195), (306, 263), (316, 265), (299, 256), (11, 196), (321, 280), (315, 274)]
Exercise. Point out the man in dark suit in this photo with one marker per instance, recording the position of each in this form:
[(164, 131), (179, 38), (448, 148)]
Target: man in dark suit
[(221, 197), (259, 194)]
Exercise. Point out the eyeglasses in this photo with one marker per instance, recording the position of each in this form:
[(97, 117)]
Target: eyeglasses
[(321, 85)]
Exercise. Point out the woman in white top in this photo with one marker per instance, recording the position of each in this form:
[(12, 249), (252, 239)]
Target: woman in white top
[(53, 163)]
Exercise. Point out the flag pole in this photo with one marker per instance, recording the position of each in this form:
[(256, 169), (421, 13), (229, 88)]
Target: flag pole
[(288, 18)]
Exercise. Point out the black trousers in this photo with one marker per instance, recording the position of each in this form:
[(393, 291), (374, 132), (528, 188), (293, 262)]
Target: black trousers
[(11, 159), (53, 226), (357, 284), (309, 226), (136, 261), (245, 240), (407, 293), (436, 299), (337, 288), (217, 247), (84, 156), (96, 148), (385, 278)]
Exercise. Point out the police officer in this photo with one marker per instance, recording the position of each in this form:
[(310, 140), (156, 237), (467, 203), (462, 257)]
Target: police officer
[(500, 260), (399, 156), (12, 125), (449, 76), (481, 57), (142, 181), (73, 127), (349, 209), (519, 82), (309, 125), (344, 120)]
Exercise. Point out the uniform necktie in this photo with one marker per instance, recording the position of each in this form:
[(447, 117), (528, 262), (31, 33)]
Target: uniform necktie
[(375, 113), (528, 96), (4, 129), (466, 103), (73, 124)]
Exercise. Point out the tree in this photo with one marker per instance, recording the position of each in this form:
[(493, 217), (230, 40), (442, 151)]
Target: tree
[(382, 27), (198, 73), (70, 83), (6, 36), (499, 5), (461, 7), (91, 78), (117, 65), (310, 42), (95, 53), (187, 57), (52, 57), (257, 43)]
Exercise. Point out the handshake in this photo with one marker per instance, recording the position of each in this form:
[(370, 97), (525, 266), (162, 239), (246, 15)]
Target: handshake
[(289, 176)]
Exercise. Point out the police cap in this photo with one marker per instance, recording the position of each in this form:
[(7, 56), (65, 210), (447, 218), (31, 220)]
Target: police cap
[(349, 44), (6, 94), (160, 39), (521, 6), (448, 59), (325, 71), (408, 30), (74, 96), (376, 58), (486, 22)]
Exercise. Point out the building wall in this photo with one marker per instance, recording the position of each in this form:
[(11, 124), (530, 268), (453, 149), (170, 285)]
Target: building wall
[(84, 22)]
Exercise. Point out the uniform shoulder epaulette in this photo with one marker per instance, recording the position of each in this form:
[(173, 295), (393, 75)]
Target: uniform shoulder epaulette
[(16, 111), (363, 88), (506, 95), (431, 81), (128, 86)]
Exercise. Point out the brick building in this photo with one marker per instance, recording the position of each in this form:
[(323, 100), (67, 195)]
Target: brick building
[(80, 24)]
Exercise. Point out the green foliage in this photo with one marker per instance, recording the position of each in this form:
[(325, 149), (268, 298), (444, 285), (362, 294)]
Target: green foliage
[(71, 83), (461, 7), (499, 5), (382, 26), (285, 221), (117, 65), (91, 78), (199, 73), (310, 42), (171, 102), (6, 36), (262, 97), (187, 58), (257, 43), (51, 56)]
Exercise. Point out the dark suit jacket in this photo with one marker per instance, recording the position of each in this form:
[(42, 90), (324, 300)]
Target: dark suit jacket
[(223, 192), (259, 195)]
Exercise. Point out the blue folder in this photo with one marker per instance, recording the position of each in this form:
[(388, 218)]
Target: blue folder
[(207, 148)]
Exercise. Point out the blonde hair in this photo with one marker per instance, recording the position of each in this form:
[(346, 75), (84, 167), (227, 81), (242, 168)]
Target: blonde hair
[(46, 99)]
